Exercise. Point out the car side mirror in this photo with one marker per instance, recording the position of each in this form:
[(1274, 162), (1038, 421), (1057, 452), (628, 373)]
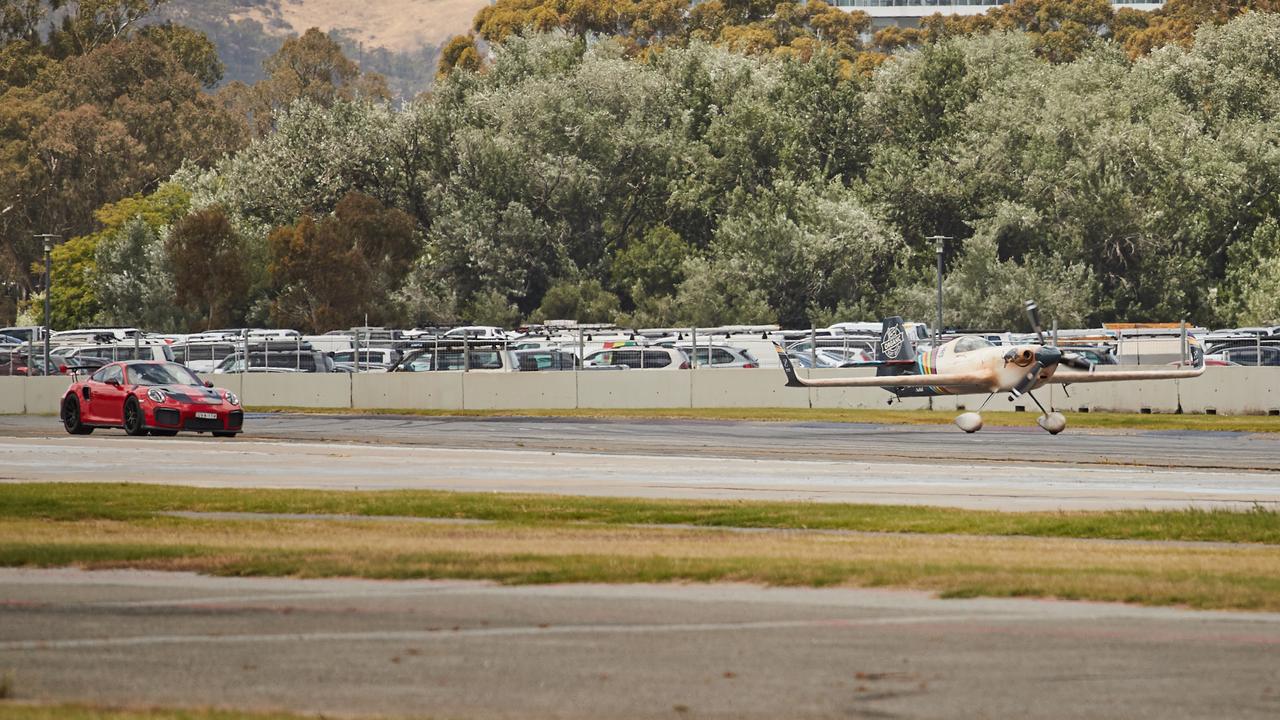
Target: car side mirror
[(208, 383)]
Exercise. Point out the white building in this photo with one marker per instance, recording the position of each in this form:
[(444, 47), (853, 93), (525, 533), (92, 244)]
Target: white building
[(907, 13)]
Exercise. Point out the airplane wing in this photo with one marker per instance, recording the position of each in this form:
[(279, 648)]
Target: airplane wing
[(979, 378), (1067, 376)]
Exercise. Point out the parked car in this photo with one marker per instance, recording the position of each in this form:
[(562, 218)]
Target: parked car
[(1094, 354), (24, 333), (95, 335), (476, 332), (718, 356), (844, 357), (147, 350), (1266, 355), (18, 362), (386, 357), (639, 358), (308, 361), (865, 344), (160, 398), (350, 367), (490, 358), (203, 356), (536, 359)]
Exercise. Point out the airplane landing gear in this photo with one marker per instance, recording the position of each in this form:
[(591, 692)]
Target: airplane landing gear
[(1052, 422), (970, 422)]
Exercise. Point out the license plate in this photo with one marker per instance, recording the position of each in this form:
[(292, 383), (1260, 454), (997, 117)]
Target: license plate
[(207, 416)]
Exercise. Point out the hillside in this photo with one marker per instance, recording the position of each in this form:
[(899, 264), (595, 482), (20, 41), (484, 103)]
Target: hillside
[(397, 38)]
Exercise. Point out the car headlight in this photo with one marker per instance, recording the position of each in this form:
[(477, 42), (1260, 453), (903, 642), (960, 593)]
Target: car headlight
[(231, 398), (157, 395)]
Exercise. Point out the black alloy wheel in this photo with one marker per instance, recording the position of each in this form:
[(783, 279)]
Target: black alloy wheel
[(133, 420), (71, 417)]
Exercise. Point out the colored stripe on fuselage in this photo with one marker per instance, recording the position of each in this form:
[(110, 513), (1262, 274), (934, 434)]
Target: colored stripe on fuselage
[(926, 364)]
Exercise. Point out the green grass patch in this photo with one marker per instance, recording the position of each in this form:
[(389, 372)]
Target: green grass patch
[(1130, 421), (84, 501)]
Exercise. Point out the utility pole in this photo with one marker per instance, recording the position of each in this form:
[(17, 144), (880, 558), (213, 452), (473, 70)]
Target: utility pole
[(47, 238), (937, 330)]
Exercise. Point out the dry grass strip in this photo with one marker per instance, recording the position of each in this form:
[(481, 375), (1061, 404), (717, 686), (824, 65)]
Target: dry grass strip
[(1202, 576)]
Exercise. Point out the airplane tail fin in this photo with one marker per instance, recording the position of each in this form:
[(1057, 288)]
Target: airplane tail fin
[(787, 367), (895, 348)]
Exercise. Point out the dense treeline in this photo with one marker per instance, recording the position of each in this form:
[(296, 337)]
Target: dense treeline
[(601, 175)]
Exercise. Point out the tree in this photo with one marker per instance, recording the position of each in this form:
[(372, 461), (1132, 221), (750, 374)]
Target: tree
[(77, 280), (983, 291), (312, 68), (97, 111), (1177, 21), (652, 265), (1250, 294), (459, 53), (336, 271), (86, 25), (585, 301), (209, 261), (720, 294), (135, 284)]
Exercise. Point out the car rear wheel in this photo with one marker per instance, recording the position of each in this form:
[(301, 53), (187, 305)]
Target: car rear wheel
[(133, 421), (224, 434), (71, 417)]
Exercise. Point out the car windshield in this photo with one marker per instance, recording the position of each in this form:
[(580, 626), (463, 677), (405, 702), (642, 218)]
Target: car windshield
[(161, 374)]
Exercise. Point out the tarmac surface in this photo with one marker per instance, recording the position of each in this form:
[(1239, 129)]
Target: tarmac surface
[(478, 650), (998, 468)]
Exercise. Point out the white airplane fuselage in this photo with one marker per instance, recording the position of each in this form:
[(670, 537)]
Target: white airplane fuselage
[(994, 369)]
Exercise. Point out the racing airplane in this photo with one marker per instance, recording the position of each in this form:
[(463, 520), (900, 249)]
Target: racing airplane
[(971, 365)]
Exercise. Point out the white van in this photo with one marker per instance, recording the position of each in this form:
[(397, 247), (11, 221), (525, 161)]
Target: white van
[(143, 350)]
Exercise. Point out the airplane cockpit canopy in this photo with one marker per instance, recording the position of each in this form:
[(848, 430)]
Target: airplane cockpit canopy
[(971, 342)]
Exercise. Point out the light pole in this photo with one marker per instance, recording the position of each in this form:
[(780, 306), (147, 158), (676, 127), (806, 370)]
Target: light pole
[(47, 237), (938, 239)]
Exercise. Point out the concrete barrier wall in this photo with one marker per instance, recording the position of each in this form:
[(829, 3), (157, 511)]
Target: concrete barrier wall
[(1232, 391), (636, 388), (406, 391), (13, 396), (1225, 391), (726, 387), (294, 389), (512, 391)]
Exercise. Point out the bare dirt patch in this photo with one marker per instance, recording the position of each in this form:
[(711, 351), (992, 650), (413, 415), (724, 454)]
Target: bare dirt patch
[(397, 25)]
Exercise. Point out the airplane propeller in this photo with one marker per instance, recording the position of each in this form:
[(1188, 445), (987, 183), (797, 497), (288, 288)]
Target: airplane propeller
[(1045, 356), (1070, 359), (1033, 314)]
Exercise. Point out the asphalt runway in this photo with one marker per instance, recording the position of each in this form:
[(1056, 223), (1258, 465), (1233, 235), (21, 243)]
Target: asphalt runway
[(998, 468), (478, 650)]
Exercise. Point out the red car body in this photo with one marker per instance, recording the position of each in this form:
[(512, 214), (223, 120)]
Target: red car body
[(149, 397)]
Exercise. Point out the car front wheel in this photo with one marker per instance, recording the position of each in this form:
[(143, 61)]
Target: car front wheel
[(133, 420), (71, 417)]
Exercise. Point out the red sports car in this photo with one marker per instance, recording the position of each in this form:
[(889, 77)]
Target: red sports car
[(143, 397)]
